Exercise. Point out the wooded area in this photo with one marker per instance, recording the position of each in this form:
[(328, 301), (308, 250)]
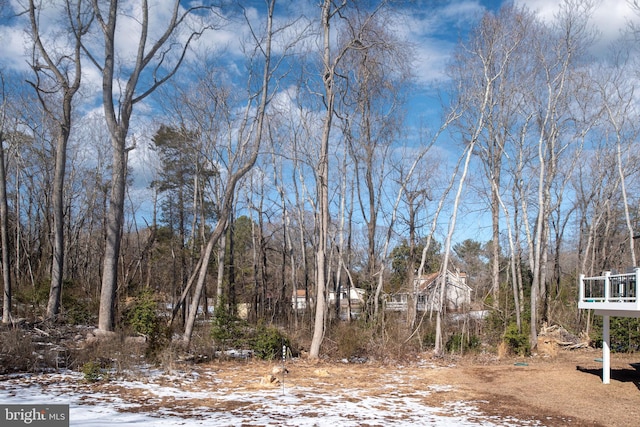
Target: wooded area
[(297, 170)]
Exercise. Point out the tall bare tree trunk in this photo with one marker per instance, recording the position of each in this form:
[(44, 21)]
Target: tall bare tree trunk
[(57, 63), (322, 170), (118, 116), (222, 249), (513, 259), (4, 217), (57, 268), (495, 238), (618, 133)]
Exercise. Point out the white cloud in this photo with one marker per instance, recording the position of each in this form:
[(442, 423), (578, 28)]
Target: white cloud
[(610, 18), (432, 58), (12, 54), (16, 40), (545, 9), (462, 13), (435, 32)]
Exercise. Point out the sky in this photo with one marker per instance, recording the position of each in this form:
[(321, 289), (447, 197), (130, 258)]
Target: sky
[(434, 27)]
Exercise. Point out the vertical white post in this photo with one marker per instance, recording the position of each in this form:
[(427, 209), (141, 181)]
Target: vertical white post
[(635, 290), (284, 369), (606, 357)]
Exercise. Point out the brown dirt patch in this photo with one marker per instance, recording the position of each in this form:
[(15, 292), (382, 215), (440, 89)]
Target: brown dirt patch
[(556, 391), (566, 389)]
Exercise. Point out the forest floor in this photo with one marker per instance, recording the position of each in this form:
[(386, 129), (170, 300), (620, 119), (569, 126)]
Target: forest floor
[(475, 390)]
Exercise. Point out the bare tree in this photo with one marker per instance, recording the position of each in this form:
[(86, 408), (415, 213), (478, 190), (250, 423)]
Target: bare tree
[(243, 152), (301, 128), (329, 63), (332, 57), (557, 54), (58, 72), (481, 78), (418, 191), (618, 97), (149, 69), (496, 46), (372, 115), (491, 50), (4, 209), (29, 156)]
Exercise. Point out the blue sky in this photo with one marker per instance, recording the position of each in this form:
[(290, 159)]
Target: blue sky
[(433, 26)]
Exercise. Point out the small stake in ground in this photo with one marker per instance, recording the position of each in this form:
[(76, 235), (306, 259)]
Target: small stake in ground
[(284, 356)]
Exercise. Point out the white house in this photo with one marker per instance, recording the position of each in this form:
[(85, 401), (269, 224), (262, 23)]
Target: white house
[(351, 301), (355, 296), (299, 299), (427, 288)]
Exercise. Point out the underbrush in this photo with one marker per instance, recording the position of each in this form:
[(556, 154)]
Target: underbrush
[(265, 342), (389, 339), (146, 340), (17, 352)]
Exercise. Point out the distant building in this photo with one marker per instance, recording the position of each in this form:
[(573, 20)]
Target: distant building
[(351, 301), (299, 299), (427, 289), (356, 296)]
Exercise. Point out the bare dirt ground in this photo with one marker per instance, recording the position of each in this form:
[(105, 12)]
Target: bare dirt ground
[(559, 391), (564, 390)]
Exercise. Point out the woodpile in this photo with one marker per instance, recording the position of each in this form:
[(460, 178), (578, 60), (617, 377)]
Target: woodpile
[(558, 337)]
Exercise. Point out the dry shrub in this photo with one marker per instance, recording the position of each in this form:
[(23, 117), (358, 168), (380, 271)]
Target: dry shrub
[(17, 352), (201, 345), (172, 355), (348, 340), (395, 341), (547, 347), (175, 354), (503, 350), (114, 353), (391, 340), (302, 335)]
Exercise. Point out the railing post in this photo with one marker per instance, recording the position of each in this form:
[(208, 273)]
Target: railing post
[(607, 291), (606, 352), (581, 288), (636, 295)]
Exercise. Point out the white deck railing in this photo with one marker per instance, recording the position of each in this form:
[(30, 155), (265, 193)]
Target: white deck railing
[(610, 295), (609, 289)]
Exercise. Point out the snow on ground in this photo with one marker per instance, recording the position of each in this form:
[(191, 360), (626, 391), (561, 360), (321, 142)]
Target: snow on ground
[(177, 399)]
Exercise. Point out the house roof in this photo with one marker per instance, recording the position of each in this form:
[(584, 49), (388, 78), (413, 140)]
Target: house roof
[(428, 281)]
